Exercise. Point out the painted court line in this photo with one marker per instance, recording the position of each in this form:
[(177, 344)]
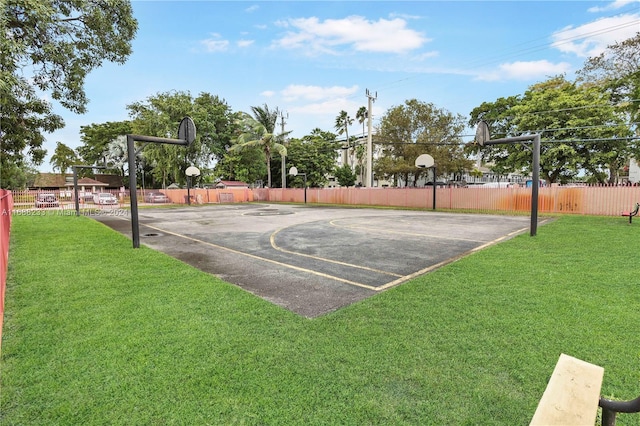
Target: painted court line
[(400, 278), (389, 231), (445, 262), (297, 268), (323, 259)]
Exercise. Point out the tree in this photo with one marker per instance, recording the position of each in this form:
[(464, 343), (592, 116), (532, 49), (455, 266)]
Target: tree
[(345, 176), (576, 123), (160, 115), (216, 124), (362, 116), (24, 117), (360, 150), (247, 165), (497, 115), (63, 157), (252, 134), (361, 154), (315, 154), (60, 42), (618, 70), (343, 121), (268, 118), (96, 137), (414, 128), (116, 153)]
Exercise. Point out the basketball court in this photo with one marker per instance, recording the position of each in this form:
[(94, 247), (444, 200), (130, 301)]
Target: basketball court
[(313, 260)]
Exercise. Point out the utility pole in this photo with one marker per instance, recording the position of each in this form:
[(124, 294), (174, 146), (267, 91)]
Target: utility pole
[(282, 123), (369, 179)]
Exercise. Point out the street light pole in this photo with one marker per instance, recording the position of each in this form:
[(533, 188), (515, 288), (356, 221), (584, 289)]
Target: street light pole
[(190, 172), (293, 171), (425, 161), (369, 179)]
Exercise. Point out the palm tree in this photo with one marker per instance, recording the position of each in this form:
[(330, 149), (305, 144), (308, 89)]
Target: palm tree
[(254, 133), (343, 121), (266, 117), (116, 152), (362, 115)]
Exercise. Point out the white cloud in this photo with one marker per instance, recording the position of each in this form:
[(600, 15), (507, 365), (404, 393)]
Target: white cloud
[(403, 16), (295, 92), (615, 5), (245, 43), (529, 70), (252, 8), (215, 44), (593, 38), (330, 106), (268, 93), (426, 55), (384, 35)]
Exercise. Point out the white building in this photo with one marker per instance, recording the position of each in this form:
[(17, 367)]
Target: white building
[(634, 171)]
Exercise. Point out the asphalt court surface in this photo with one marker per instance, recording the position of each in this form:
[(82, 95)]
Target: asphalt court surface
[(313, 260)]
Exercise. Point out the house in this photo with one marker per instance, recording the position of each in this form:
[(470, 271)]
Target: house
[(62, 181), (231, 184), (52, 181), (112, 181), (89, 185)]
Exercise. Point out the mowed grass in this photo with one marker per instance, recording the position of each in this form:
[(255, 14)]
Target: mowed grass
[(99, 333)]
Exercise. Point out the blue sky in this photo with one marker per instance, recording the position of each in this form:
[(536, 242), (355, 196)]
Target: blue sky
[(313, 59)]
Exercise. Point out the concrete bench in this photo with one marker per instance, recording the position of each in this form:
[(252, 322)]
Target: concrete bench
[(572, 394)]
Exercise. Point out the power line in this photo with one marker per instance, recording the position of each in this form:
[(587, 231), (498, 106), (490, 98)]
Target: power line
[(484, 61), (551, 111), (544, 142)]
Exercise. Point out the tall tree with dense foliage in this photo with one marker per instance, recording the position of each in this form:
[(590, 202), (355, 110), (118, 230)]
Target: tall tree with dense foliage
[(617, 69), (580, 130), (345, 176), (414, 128), (96, 137), (246, 165), (315, 154), (160, 115), (51, 46), (255, 134), (63, 158)]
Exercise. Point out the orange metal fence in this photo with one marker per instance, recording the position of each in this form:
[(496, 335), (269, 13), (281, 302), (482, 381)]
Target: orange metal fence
[(589, 200)]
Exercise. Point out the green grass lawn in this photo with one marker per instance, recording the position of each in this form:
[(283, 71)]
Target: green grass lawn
[(99, 333)]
